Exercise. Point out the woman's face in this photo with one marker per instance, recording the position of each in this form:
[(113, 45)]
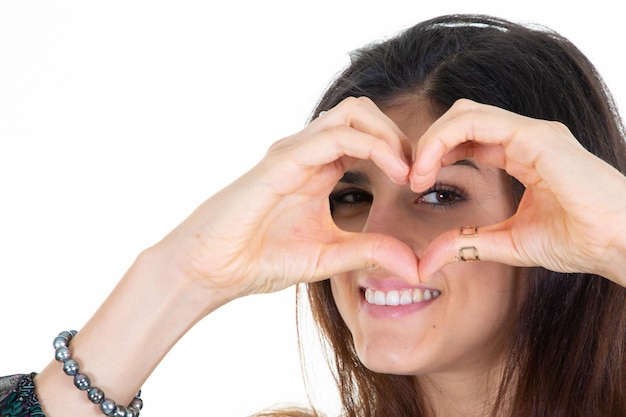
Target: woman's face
[(461, 319)]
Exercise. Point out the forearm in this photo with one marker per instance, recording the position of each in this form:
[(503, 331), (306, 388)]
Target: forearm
[(144, 316)]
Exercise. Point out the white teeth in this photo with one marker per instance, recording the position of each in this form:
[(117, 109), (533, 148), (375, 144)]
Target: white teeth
[(379, 298), (396, 297), (405, 297), (392, 298)]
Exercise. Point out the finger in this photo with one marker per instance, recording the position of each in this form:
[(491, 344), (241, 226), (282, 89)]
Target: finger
[(470, 244), (492, 155), (344, 141), (363, 114), (357, 251), (529, 145), (479, 129), (331, 145)]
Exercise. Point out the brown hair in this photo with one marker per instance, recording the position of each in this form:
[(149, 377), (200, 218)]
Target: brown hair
[(567, 357)]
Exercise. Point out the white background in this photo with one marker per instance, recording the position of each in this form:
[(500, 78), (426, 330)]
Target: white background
[(118, 118)]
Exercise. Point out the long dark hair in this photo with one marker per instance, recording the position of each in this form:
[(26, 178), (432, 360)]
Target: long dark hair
[(568, 353)]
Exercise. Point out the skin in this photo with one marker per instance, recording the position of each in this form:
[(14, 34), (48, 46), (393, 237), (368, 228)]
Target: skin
[(565, 223), (460, 335), (272, 228)]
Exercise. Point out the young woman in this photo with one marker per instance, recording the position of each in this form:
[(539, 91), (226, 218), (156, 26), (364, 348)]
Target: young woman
[(455, 212)]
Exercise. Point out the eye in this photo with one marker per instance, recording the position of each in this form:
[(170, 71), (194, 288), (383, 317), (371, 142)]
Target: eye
[(349, 202), (441, 195), (349, 197), (350, 207)]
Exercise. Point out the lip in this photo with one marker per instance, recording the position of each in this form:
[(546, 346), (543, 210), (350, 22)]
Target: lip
[(390, 285)]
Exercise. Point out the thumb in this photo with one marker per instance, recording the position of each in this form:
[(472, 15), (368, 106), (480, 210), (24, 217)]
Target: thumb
[(469, 244), (356, 251)]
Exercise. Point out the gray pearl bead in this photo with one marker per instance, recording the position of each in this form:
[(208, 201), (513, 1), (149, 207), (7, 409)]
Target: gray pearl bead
[(62, 354), (59, 341), (71, 367), (66, 335), (136, 403), (82, 382), (96, 395), (108, 407), (121, 411)]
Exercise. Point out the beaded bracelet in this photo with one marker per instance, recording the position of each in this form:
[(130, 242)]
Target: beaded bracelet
[(63, 354)]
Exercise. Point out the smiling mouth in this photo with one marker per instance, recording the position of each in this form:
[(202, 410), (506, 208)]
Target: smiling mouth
[(399, 297)]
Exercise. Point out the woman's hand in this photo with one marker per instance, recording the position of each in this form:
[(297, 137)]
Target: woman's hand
[(272, 227), (268, 230), (572, 217)]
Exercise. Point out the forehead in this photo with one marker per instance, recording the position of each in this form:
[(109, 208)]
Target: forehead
[(413, 115)]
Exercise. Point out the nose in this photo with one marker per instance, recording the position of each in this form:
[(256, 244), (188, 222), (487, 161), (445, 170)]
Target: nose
[(392, 216)]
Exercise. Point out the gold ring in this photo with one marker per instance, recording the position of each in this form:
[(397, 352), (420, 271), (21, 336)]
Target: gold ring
[(469, 231), (469, 254)]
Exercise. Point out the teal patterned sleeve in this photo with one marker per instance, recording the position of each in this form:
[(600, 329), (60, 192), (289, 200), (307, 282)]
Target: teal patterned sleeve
[(18, 397)]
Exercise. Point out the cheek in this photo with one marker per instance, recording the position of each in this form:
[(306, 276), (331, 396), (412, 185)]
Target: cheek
[(354, 223), (341, 291), (483, 296), (347, 299)]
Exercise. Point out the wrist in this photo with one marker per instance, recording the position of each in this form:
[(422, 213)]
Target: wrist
[(184, 298), (614, 265)]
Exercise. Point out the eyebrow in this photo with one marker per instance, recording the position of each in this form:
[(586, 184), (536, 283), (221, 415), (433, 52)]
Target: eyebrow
[(466, 163), (357, 178)]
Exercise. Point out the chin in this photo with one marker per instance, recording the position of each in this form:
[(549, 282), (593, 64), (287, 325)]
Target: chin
[(388, 367), (390, 358)]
